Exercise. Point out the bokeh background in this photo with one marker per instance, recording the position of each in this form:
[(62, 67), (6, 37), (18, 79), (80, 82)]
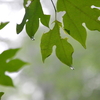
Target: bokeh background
[(51, 80)]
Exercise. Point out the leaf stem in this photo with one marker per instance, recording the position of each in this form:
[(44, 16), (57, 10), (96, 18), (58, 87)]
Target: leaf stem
[(54, 9)]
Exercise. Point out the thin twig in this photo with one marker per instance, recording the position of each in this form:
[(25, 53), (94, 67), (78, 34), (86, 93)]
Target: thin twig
[(54, 9)]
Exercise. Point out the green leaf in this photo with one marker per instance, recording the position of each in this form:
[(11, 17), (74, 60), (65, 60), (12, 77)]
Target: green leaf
[(1, 94), (63, 49), (14, 65), (25, 2), (6, 80), (47, 43), (20, 27), (10, 65), (78, 12), (2, 25), (64, 52), (7, 54), (45, 19), (31, 19)]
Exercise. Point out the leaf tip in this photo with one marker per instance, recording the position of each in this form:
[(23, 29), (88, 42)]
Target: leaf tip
[(1, 94), (71, 67), (84, 45)]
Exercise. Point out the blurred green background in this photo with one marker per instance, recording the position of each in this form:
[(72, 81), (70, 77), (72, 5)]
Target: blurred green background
[(53, 80)]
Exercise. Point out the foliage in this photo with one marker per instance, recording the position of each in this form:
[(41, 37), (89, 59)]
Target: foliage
[(31, 18), (77, 12), (7, 64), (1, 93), (63, 49), (2, 25)]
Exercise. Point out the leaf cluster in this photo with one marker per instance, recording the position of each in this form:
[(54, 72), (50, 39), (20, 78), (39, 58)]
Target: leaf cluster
[(8, 64), (76, 13)]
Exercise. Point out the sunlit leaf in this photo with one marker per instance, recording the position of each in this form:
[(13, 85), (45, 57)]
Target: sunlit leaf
[(78, 12), (63, 49)]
